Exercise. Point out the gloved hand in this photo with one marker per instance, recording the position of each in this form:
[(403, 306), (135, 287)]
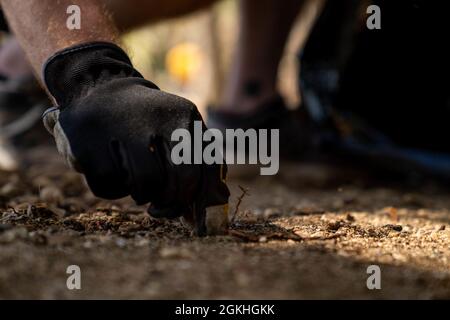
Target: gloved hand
[(115, 127)]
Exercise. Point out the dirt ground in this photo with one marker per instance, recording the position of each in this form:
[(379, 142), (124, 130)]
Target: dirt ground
[(294, 236)]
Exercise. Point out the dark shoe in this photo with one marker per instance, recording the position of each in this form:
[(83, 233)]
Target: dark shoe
[(294, 135)]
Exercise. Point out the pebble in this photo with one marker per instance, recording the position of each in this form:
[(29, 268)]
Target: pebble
[(51, 195), (334, 226), (272, 213), (263, 239), (10, 190), (394, 227), (349, 217)]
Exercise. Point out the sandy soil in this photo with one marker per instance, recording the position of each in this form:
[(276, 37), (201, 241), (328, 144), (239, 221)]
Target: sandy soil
[(290, 239)]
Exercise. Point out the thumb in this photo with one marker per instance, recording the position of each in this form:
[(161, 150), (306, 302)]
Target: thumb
[(53, 126)]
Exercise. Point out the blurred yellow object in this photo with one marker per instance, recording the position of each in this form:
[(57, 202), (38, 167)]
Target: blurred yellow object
[(183, 61)]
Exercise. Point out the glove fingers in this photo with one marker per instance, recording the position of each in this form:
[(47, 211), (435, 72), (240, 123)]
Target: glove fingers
[(145, 172), (169, 200), (103, 169), (104, 178)]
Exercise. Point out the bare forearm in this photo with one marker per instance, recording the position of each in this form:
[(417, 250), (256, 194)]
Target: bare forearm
[(40, 26)]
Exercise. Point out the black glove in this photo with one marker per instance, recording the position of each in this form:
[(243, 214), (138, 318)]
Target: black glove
[(115, 127)]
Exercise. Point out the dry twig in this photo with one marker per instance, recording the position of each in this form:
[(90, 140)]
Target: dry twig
[(241, 197)]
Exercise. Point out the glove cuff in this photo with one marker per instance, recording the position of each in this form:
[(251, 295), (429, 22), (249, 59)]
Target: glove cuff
[(69, 73)]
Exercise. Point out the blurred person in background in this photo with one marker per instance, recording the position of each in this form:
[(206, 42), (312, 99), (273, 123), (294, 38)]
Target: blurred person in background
[(381, 97)]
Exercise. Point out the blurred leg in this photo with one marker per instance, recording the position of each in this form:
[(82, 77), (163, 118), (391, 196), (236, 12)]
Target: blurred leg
[(264, 29)]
